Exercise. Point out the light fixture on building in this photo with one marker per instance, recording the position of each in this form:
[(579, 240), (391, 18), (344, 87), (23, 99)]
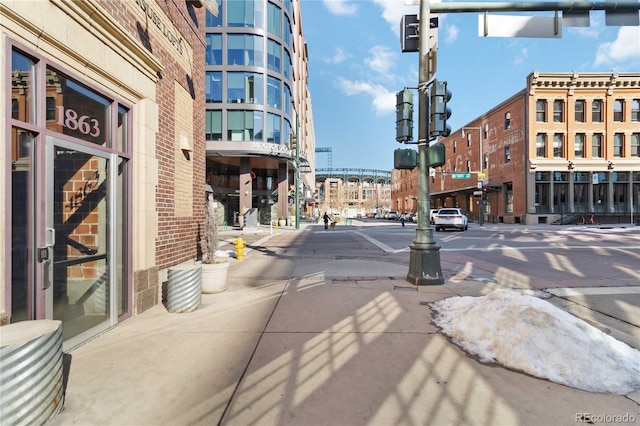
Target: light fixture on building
[(571, 166), (610, 166), (186, 146), (211, 5)]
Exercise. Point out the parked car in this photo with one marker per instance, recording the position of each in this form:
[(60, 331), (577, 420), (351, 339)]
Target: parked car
[(451, 218), (412, 217), (392, 215), (432, 215)]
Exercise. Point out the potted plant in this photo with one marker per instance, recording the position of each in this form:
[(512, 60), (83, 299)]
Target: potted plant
[(214, 270), (282, 221)]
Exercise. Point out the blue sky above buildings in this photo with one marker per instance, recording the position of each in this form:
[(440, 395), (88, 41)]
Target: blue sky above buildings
[(356, 67)]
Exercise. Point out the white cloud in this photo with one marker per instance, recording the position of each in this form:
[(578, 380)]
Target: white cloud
[(451, 33), (592, 31), (340, 7), (382, 59), (340, 55), (383, 101), (625, 47), (522, 56), (595, 28), (393, 11)]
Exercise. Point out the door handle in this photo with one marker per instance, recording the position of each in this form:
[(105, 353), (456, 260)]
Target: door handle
[(45, 255), (50, 237)]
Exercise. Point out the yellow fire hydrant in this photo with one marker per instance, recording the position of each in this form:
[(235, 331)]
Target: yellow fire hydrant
[(240, 245)]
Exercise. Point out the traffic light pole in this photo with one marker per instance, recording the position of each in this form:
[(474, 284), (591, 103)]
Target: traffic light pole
[(424, 258)]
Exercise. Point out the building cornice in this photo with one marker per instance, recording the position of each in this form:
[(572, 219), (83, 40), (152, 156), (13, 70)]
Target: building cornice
[(591, 80)]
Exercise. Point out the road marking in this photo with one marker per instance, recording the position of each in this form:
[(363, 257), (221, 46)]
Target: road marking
[(592, 291), (389, 249), (378, 243), (564, 247)]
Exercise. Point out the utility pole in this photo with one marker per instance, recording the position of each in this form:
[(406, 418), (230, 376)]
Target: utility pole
[(424, 258)]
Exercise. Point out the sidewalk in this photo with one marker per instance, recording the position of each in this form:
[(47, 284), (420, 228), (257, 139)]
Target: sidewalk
[(307, 333)]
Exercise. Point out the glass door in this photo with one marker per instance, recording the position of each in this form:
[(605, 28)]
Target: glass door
[(77, 237)]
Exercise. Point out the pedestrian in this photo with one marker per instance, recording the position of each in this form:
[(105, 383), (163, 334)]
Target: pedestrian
[(402, 220), (326, 220)]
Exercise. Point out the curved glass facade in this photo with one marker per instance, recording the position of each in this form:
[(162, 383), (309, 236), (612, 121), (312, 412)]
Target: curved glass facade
[(250, 67), (250, 95)]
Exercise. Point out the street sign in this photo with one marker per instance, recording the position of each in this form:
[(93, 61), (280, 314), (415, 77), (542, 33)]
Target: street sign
[(461, 175), (519, 26), (481, 175)]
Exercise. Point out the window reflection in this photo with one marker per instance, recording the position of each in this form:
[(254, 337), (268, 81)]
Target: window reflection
[(22, 87), (214, 49), (245, 49), (274, 56), (244, 125), (213, 86), (274, 97), (245, 87), (79, 111), (273, 128), (213, 126), (247, 13)]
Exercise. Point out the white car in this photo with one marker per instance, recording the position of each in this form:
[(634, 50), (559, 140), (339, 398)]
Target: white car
[(432, 215), (451, 218)]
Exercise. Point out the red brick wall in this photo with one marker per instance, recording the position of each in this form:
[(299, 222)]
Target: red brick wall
[(458, 192), (404, 190), (177, 239)]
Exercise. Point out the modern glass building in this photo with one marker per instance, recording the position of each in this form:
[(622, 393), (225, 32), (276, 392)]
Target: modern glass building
[(257, 108)]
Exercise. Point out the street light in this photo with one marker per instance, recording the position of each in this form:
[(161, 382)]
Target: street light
[(480, 167)]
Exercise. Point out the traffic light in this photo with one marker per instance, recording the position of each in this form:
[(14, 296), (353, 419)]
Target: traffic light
[(409, 37), (405, 159), (435, 155), (438, 112), (404, 115)]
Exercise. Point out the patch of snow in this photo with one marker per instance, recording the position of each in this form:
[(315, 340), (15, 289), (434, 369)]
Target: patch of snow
[(526, 333), (225, 253)]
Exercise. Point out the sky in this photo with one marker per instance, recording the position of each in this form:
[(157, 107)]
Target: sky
[(356, 68), (529, 334)]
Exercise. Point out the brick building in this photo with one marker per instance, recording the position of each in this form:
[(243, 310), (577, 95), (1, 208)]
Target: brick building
[(564, 149), (352, 192), (103, 108)]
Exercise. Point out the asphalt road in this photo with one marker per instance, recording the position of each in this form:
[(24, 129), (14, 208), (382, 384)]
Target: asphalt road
[(544, 256)]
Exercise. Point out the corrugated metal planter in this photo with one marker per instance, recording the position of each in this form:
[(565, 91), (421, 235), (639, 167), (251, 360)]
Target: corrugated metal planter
[(184, 289), (31, 390)]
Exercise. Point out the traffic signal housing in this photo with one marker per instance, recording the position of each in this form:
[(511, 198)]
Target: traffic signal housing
[(405, 159), (409, 37), (404, 115), (439, 96)]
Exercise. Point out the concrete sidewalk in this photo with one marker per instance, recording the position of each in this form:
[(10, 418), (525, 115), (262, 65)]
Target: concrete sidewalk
[(310, 332)]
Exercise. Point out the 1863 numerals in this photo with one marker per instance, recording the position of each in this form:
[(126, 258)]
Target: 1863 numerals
[(70, 119)]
